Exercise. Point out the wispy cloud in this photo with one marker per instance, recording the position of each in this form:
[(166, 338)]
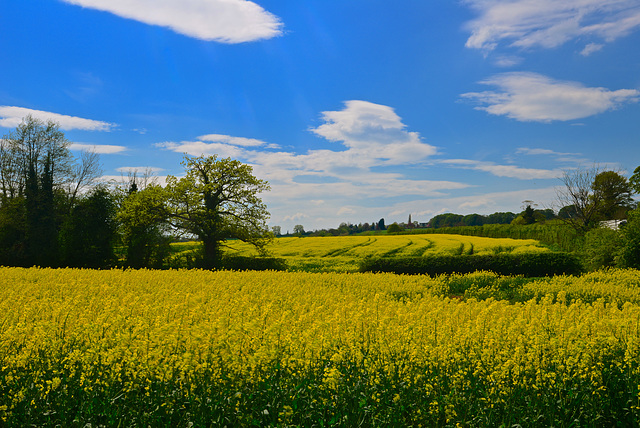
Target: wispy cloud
[(197, 148), (87, 86), (558, 156), (227, 21), (11, 116), (103, 149), (295, 217), (534, 97), (591, 48), (237, 141), (508, 171), (534, 152), (507, 61), (549, 23)]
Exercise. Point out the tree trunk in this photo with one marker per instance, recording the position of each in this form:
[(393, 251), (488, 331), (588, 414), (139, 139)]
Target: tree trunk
[(212, 254)]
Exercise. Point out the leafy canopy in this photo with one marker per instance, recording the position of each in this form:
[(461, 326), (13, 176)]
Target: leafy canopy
[(218, 199)]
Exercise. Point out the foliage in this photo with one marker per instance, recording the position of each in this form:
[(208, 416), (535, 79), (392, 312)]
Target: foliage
[(40, 183), (578, 193), (528, 215), (143, 224), (556, 235), (216, 200), (634, 180), (239, 263), (35, 149), (613, 193), (201, 348), (601, 248), (592, 195), (567, 212), (12, 233), (394, 228), (630, 256), (90, 232), (529, 265), (457, 220), (35, 162)]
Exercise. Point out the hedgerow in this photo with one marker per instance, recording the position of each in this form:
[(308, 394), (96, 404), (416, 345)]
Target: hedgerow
[(525, 264)]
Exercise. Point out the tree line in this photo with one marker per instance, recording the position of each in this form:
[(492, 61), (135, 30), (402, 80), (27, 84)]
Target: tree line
[(588, 197), (599, 221), (54, 213)]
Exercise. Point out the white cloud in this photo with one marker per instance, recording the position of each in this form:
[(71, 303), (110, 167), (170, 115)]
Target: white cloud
[(509, 171), (591, 48), (346, 210), (559, 156), (227, 21), (374, 132), (508, 61), (103, 149), (534, 97), (236, 141), (530, 151), (549, 23), (367, 136), (295, 217), (10, 117), (366, 176), (197, 148)]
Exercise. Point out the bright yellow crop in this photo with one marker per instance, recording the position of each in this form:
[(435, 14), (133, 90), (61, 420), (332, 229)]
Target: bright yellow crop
[(342, 253), (128, 333)]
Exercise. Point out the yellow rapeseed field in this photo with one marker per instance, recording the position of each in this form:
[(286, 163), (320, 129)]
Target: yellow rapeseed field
[(343, 253), (201, 348)]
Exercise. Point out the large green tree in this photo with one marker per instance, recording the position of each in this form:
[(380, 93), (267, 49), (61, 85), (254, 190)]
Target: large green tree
[(592, 195), (35, 162), (143, 219), (89, 234), (631, 240), (631, 232), (218, 199), (612, 194), (634, 181), (39, 182)]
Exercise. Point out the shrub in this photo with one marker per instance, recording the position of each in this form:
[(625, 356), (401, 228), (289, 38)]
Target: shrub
[(526, 264), (601, 248), (394, 228), (192, 258), (253, 263), (630, 256)]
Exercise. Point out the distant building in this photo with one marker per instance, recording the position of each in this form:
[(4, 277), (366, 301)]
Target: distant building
[(613, 224)]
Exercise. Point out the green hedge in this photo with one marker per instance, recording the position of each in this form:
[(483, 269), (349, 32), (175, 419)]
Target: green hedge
[(253, 263), (529, 265)]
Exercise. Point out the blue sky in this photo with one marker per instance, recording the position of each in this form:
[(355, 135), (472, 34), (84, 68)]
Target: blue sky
[(352, 110)]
